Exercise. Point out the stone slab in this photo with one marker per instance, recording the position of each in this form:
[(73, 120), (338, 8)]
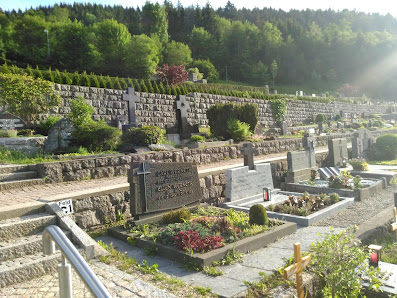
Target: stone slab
[(242, 183), (300, 160)]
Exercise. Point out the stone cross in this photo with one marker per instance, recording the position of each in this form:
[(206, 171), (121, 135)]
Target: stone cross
[(182, 105), (184, 127), (132, 99), (297, 268), (248, 150), (394, 225)]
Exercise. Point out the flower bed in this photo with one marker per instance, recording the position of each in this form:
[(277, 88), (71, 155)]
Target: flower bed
[(307, 209), (206, 236)]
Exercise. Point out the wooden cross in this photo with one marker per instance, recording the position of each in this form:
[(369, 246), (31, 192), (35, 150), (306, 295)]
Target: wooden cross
[(297, 268), (394, 225)]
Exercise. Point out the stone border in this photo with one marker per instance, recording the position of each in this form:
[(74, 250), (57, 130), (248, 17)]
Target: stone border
[(205, 259), (306, 221), (359, 194)]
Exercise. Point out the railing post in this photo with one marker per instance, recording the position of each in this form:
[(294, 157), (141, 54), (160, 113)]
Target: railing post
[(65, 279)]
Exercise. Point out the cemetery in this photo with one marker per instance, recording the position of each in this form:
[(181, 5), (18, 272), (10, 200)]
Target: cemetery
[(175, 206)]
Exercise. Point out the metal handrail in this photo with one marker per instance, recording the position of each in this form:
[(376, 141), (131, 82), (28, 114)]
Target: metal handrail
[(53, 235)]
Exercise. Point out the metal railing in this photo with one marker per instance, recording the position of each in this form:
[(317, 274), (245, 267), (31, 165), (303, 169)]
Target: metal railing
[(70, 256)]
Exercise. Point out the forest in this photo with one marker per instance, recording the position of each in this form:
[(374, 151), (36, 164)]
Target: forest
[(309, 48)]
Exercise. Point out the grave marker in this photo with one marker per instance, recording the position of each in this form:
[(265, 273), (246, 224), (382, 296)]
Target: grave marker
[(338, 154), (248, 150), (297, 269), (158, 187), (8, 122), (284, 128), (132, 99)]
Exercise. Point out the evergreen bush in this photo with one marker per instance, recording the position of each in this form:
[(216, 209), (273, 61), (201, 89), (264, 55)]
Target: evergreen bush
[(44, 126), (320, 118), (176, 216), (386, 147), (239, 131), (142, 136), (258, 215)]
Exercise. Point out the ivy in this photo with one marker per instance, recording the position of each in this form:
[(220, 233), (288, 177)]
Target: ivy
[(279, 108)]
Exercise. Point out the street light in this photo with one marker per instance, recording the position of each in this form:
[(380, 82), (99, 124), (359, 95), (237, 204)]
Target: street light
[(48, 43)]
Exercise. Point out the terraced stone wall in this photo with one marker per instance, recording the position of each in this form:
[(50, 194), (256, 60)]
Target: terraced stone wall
[(160, 109)]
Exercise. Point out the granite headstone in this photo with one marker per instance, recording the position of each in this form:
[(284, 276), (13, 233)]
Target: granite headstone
[(337, 152), (60, 136), (159, 187), (11, 122)]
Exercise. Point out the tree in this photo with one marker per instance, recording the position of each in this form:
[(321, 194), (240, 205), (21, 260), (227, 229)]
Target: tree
[(27, 97), (177, 53), (273, 70), (208, 69), (143, 56), (201, 43), (173, 75), (111, 41), (154, 20), (348, 90)]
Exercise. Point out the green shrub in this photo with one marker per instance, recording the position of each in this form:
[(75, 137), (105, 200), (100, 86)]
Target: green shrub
[(386, 147), (44, 126), (355, 125), (334, 198), (338, 117), (320, 118), (239, 131), (219, 114), (80, 111), (196, 138), (97, 136), (8, 133), (258, 215), (27, 132), (142, 136), (175, 216), (378, 123)]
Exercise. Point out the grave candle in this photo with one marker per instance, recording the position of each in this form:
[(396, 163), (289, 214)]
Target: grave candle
[(374, 258)]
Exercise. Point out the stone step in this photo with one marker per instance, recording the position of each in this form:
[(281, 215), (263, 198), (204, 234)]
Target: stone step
[(20, 184), (6, 169), (25, 225), (19, 247), (27, 268), (18, 176)]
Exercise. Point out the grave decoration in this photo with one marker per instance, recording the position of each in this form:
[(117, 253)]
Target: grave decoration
[(297, 269), (305, 204), (375, 254), (159, 187), (182, 127), (11, 122)]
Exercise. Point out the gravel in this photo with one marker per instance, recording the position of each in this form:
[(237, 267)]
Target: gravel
[(360, 212)]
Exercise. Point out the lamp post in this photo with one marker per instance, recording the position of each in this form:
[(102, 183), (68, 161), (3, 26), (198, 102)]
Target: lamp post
[(48, 43)]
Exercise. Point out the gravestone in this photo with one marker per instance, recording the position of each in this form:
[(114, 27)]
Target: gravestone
[(60, 136), (159, 187), (243, 183), (339, 125), (132, 99), (11, 122), (300, 93), (182, 127), (357, 145), (337, 152), (370, 123), (248, 151), (141, 150), (335, 171), (284, 128), (300, 164), (309, 144), (192, 77)]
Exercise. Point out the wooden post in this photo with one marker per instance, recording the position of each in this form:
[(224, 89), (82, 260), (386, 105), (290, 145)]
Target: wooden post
[(297, 268), (394, 225)]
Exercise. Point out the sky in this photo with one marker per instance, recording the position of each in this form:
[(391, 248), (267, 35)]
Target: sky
[(381, 6)]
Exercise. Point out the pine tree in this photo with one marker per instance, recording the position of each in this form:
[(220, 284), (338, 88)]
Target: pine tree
[(123, 83), (156, 87), (116, 83), (58, 77), (67, 78), (50, 76), (102, 81), (109, 83), (4, 68), (143, 86), (29, 71), (85, 80), (137, 86), (149, 86), (130, 83), (38, 73), (168, 90), (162, 89), (94, 80)]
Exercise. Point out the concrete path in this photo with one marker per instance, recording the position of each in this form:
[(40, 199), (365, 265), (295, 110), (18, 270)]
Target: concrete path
[(231, 283)]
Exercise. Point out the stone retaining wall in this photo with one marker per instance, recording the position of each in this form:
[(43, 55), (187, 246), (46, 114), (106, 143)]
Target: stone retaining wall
[(160, 109)]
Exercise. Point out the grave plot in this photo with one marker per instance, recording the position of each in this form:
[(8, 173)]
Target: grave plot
[(253, 184), (199, 235), (332, 179)]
